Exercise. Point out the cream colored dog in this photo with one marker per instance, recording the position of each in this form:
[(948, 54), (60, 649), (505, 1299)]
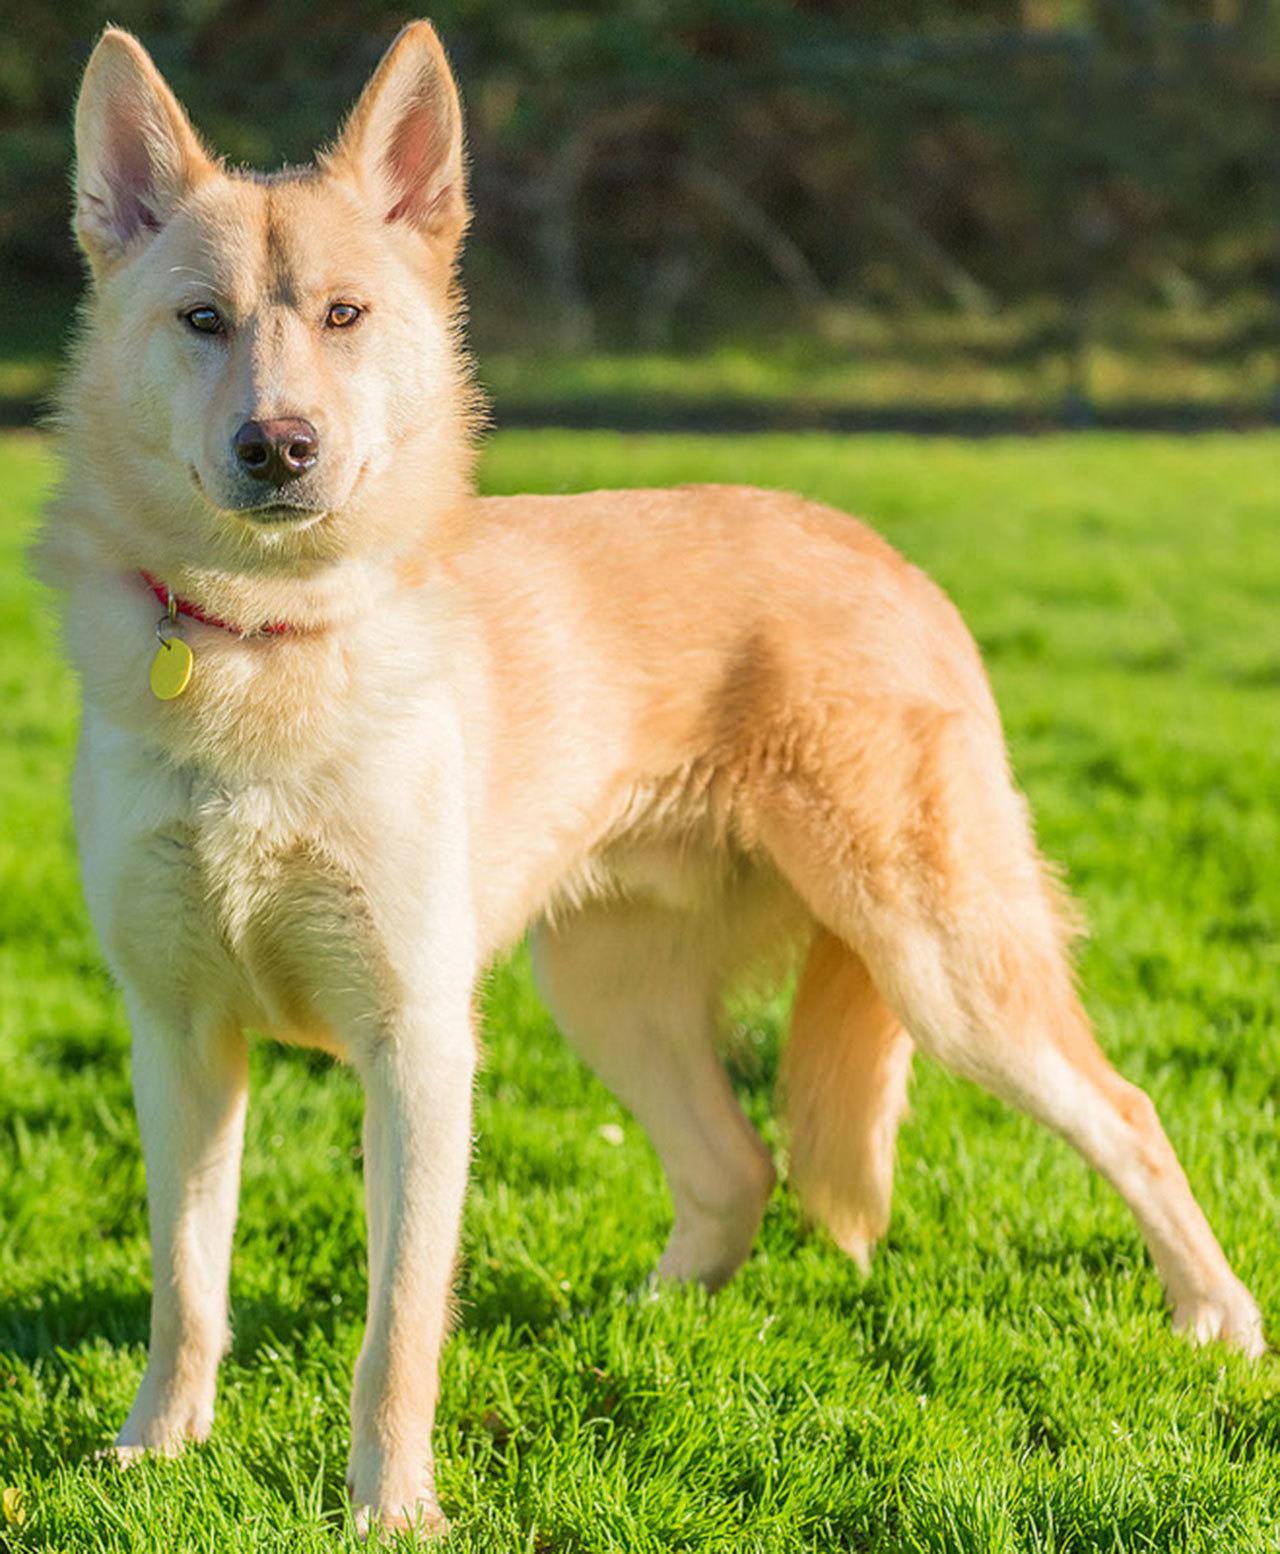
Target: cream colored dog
[(349, 729)]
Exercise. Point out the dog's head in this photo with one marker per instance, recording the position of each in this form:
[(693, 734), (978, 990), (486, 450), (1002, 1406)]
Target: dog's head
[(271, 359)]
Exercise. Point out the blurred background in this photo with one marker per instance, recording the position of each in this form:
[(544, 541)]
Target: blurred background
[(739, 213)]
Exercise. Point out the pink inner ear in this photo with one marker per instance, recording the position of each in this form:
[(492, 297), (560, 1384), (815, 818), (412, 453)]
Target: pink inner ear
[(129, 174), (415, 159)]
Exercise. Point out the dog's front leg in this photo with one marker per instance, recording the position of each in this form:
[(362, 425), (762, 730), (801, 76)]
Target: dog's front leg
[(189, 1090), (417, 1079)]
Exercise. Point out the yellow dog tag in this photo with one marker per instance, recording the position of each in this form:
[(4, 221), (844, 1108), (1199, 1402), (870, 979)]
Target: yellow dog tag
[(171, 669)]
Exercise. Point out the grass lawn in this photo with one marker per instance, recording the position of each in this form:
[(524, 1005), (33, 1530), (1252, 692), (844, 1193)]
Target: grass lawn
[(1004, 1380)]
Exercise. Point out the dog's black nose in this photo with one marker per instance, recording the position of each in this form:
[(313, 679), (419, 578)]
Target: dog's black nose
[(277, 451)]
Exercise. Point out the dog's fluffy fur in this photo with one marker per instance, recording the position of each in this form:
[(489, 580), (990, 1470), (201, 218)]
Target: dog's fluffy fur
[(672, 730)]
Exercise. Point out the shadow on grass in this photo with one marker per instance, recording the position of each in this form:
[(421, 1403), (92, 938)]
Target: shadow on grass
[(57, 1320), (1097, 1256)]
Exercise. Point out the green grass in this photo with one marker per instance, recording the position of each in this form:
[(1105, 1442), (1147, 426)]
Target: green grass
[(1004, 1380)]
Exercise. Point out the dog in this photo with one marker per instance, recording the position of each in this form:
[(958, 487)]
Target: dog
[(349, 729)]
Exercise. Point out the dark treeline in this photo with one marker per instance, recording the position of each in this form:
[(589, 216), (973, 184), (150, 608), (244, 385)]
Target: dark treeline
[(650, 171)]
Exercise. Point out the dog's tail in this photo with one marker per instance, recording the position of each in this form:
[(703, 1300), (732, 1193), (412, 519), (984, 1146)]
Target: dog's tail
[(845, 1072)]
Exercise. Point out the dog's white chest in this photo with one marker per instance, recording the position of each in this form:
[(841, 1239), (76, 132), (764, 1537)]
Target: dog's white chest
[(234, 902)]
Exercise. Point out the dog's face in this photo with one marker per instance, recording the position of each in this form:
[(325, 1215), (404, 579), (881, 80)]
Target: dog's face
[(272, 353)]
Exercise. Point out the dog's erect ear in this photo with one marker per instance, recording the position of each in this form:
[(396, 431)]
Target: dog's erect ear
[(136, 153), (403, 141)]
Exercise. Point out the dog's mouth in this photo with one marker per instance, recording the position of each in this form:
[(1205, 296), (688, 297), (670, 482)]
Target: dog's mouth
[(280, 512), (300, 514)]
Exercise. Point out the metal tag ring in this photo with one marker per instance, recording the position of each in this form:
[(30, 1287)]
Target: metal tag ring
[(170, 622)]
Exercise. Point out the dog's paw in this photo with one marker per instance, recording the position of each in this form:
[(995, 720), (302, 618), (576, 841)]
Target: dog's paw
[(156, 1435), (124, 1454), (425, 1519), (409, 1507), (117, 1456), (1229, 1316)]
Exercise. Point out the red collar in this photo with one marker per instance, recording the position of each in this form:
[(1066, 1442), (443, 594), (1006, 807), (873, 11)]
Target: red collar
[(185, 607)]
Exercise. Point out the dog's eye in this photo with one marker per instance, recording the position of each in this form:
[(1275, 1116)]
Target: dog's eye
[(204, 320), (342, 315)]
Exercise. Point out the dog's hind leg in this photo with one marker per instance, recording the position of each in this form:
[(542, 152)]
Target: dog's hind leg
[(634, 990), (926, 866), (1004, 1013), (845, 1071)]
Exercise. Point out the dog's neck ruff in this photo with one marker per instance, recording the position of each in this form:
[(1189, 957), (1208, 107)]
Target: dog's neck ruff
[(195, 613)]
